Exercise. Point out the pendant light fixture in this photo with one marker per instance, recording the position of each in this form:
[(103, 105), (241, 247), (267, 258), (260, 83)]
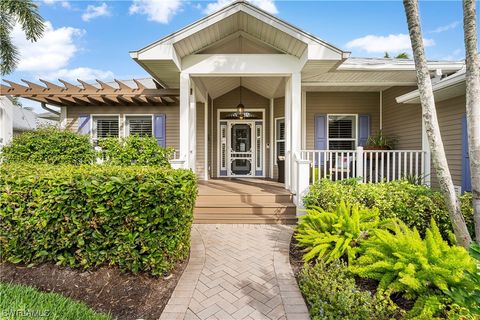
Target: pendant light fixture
[(240, 106)]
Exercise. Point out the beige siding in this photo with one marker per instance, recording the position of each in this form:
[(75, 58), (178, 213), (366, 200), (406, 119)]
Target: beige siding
[(230, 100), (200, 163), (402, 121), (278, 112), (450, 113), (341, 103), (171, 117)]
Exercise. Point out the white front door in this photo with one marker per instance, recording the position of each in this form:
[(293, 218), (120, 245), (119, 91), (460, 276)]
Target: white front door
[(241, 148)]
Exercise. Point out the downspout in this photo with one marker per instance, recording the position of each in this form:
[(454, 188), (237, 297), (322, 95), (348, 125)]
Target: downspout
[(44, 107), (381, 109)]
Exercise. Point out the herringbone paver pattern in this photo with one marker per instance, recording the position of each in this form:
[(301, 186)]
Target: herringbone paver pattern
[(238, 272)]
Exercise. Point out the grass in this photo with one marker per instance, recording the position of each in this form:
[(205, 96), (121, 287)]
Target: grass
[(22, 302)]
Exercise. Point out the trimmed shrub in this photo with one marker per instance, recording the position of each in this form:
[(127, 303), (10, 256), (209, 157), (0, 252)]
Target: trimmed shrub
[(137, 218), (330, 293), (134, 150), (333, 235), (49, 145), (419, 268), (415, 205)]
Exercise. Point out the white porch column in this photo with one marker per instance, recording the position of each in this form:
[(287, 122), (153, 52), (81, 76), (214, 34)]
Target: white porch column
[(205, 137), (193, 128), (427, 157), (288, 133), (184, 152), (296, 123)]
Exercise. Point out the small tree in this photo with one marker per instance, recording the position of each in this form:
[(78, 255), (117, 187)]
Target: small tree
[(429, 115), (473, 104)]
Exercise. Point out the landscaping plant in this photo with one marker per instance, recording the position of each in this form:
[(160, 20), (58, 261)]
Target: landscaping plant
[(331, 293), (136, 218), (331, 235), (134, 150), (421, 269), (49, 145)]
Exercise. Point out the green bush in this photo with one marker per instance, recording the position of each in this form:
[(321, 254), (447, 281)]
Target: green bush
[(134, 150), (413, 204), (330, 293), (49, 145), (137, 218), (418, 268), (332, 235)]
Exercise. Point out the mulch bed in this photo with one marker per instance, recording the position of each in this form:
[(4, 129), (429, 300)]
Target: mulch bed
[(107, 290)]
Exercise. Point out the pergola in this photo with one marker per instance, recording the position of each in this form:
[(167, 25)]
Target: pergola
[(87, 94)]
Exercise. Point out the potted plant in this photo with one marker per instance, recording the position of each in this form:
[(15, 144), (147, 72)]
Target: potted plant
[(379, 141)]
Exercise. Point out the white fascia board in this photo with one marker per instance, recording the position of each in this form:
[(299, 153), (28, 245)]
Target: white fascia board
[(358, 84), (160, 52), (398, 67), (412, 97), (241, 64)]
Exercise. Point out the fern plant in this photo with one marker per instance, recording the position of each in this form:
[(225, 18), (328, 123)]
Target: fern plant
[(332, 235), (419, 268)]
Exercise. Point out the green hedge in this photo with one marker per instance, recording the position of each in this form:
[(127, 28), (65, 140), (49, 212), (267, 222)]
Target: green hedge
[(415, 205), (137, 218), (49, 145)]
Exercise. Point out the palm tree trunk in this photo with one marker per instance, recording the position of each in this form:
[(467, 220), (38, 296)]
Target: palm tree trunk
[(429, 115), (473, 104)]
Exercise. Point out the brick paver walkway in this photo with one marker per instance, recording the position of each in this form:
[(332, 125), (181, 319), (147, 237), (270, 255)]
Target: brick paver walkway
[(238, 272)]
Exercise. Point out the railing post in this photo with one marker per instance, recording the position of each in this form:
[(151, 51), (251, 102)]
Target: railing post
[(359, 171), (303, 183)]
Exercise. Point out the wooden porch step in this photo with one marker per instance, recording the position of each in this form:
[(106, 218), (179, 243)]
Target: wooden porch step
[(245, 198), (245, 219), (251, 210)]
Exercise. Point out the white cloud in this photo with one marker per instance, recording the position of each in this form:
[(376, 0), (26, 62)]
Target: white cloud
[(95, 12), (82, 73), (64, 4), (266, 5), (390, 43), (446, 27), (457, 54), (51, 52), (161, 11)]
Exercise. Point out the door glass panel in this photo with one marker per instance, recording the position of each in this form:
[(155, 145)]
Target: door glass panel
[(241, 138)]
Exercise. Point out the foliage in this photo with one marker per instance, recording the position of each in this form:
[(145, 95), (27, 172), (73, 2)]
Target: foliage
[(330, 292), (137, 218), (22, 302), (415, 205), (49, 145), (420, 268), (379, 140), (134, 150), (333, 235), (26, 14)]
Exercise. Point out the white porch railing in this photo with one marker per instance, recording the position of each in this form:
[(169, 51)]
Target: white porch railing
[(366, 165)]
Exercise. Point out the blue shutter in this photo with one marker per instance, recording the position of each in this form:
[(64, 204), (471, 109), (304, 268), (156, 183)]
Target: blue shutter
[(466, 176), (363, 129), (320, 132), (159, 128), (83, 124)]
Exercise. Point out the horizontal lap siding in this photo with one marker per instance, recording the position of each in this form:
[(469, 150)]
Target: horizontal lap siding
[(341, 103), (230, 100), (450, 114), (171, 115), (403, 121)]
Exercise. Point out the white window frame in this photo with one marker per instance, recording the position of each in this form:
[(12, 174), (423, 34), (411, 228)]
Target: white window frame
[(126, 127), (276, 141), (93, 124), (342, 139)]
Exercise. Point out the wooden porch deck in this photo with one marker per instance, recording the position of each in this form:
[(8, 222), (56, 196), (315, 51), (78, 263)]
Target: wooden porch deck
[(244, 200)]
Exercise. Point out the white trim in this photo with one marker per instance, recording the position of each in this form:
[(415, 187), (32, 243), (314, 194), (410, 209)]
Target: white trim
[(381, 109), (342, 139), (304, 120), (275, 138), (253, 134), (272, 147), (118, 115), (125, 131)]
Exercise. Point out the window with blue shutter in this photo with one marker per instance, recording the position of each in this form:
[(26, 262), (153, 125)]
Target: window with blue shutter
[(320, 132), (466, 176), (363, 129), (159, 129), (83, 124)]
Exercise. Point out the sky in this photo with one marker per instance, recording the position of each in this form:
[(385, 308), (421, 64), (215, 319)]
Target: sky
[(92, 39)]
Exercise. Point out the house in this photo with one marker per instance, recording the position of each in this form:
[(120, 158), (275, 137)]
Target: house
[(14, 120), (241, 93)]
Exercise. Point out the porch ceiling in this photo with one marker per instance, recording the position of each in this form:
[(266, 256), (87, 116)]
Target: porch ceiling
[(269, 87)]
